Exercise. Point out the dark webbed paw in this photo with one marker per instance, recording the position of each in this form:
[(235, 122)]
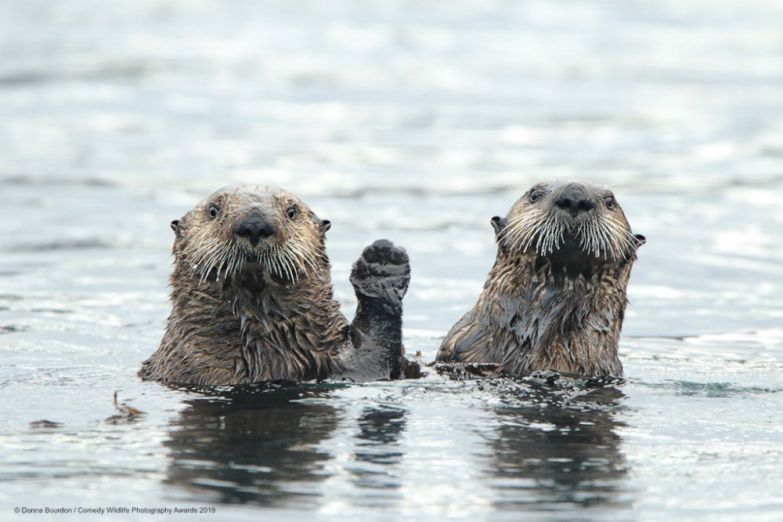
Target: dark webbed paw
[(382, 272)]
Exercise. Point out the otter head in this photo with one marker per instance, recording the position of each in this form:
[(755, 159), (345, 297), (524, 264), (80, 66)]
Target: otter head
[(577, 228), (251, 228)]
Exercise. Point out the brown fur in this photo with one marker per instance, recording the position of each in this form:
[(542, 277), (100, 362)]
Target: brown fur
[(244, 313), (552, 302)]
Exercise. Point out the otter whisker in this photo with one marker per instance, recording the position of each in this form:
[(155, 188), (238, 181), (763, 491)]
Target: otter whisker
[(293, 273), (585, 237), (278, 267), (541, 233), (207, 264), (556, 235), (601, 247), (271, 264), (281, 270), (521, 231), (236, 262), (626, 243), (623, 240), (311, 261), (239, 262), (216, 267), (596, 240), (612, 239), (303, 254), (607, 241), (549, 237), (305, 258), (214, 261), (618, 240), (200, 255), (263, 260), (284, 261)]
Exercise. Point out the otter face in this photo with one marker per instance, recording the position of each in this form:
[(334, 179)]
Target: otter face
[(575, 226), (248, 227)]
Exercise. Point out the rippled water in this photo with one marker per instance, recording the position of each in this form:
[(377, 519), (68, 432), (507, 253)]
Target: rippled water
[(415, 121)]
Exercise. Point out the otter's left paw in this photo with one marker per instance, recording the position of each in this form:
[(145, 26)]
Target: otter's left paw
[(383, 271)]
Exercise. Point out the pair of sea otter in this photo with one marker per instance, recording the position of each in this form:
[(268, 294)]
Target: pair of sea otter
[(252, 297)]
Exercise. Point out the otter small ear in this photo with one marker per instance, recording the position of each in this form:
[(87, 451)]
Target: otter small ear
[(325, 225), (175, 227), (498, 223), (640, 240)]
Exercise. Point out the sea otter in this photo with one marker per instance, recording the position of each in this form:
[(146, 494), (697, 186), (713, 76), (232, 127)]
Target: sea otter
[(556, 296), (252, 298)]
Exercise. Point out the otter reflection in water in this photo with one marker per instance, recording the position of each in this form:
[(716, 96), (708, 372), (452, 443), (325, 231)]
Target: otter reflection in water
[(378, 455), (552, 451), (253, 446), (263, 446)]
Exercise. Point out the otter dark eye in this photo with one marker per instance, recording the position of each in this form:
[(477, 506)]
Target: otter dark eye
[(214, 210), (536, 195), (610, 202), (291, 212)]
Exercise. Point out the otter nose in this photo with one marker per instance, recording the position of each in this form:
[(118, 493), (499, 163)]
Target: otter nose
[(574, 200), (254, 228)]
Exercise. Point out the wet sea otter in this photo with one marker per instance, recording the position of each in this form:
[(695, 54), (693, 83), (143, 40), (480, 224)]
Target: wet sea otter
[(252, 300), (556, 296)]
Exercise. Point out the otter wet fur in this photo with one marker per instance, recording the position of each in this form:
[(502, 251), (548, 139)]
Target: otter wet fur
[(555, 298), (252, 298)]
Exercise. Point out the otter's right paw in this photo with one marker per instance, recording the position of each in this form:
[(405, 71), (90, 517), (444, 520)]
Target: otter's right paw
[(382, 272)]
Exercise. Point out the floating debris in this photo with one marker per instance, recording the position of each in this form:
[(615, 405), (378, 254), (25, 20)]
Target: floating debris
[(43, 423), (124, 413)]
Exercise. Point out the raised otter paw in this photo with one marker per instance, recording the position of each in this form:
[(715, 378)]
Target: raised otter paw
[(382, 272)]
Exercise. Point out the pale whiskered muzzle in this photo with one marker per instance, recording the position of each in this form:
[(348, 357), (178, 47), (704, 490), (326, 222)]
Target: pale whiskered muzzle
[(546, 231), (288, 261)]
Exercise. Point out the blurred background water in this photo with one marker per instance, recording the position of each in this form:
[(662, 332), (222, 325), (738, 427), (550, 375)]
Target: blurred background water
[(416, 121)]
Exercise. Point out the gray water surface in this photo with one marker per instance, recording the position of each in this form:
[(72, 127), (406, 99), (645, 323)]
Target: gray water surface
[(415, 121)]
